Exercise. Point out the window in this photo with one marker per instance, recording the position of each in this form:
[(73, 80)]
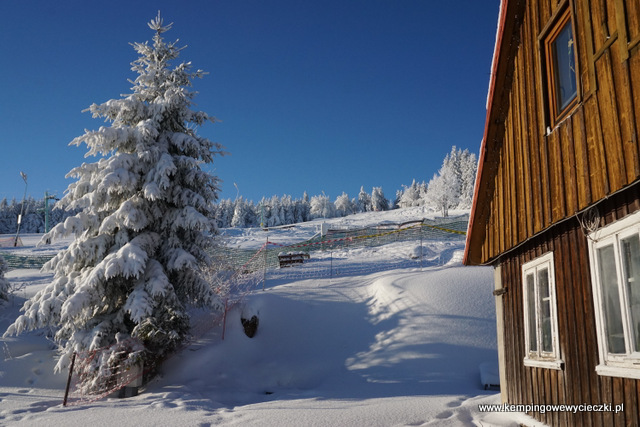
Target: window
[(614, 253), (560, 60), (540, 314)]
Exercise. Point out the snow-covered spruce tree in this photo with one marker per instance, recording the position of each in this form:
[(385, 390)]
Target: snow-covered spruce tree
[(344, 205), (411, 195), (303, 209), (145, 218), (4, 283), (242, 213), (378, 201), (321, 207), (443, 192), (469, 167), (364, 201)]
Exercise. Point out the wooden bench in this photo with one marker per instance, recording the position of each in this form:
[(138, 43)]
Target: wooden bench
[(291, 258)]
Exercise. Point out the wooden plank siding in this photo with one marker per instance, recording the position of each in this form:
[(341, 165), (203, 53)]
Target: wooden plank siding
[(534, 180), (540, 176), (577, 383)]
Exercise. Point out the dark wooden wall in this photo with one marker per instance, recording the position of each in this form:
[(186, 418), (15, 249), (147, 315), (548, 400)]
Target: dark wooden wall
[(578, 382), (532, 178)]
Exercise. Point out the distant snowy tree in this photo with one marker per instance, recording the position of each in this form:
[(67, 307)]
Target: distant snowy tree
[(9, 216), (144, 222), (437, 195), (364, 201), (263, 212), (33, 220), (33, 216), (277, 212), (305, 207), (378, 201), (344, 205), (321, 207), (4, 283), (443, 191), (302, 209), (288, 209), (453, 161), (241, 212), (6, 218), (451, 187), (270, 212), (396, 201), (411, 196), (468, 169), (224, 213)]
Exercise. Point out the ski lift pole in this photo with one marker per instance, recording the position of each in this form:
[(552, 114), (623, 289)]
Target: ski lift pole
[(24, 177), (47, 197)]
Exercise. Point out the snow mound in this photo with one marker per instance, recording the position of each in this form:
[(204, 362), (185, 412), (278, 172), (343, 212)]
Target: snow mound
[(398, 347), (383, 336)]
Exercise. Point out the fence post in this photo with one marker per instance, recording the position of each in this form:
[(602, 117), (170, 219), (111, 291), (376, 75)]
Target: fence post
[(224, 318), (66, 391), (420, 248), (330, 266), (264, 272)]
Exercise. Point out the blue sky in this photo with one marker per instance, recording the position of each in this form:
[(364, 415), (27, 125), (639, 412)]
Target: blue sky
[(323, 96)]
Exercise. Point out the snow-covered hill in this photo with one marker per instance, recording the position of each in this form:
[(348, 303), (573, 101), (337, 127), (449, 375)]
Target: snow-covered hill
[(399, 347)]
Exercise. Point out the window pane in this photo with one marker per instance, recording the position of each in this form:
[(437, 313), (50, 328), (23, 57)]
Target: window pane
[(545, 310), (611, 300), (564, 67), (631, 258), (531, 318)]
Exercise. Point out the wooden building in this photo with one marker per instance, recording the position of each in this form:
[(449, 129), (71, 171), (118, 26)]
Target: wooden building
[(556, 210)]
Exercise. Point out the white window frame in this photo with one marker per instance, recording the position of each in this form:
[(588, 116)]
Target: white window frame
[(616, 365), (538, 357)]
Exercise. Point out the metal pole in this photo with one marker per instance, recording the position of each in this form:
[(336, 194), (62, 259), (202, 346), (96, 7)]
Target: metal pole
[(261, 215), (330, 266), (47, 215), (264, 273), (224, 318), (420, 248), (46, 211), (66, 391), (24, 176)]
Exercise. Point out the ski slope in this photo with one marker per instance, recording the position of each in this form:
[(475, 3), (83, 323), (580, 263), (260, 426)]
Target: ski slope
[(399, 347)]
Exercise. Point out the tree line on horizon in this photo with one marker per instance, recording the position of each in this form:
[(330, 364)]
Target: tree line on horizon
[(33, 215), (450, 188)]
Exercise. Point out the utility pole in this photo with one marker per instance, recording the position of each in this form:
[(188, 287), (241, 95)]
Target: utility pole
[(24, 177), (47, 197)]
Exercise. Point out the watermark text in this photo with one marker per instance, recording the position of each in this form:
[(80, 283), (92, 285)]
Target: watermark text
[(542, 408)]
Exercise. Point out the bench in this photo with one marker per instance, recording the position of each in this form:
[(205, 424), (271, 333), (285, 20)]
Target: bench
[(291, 258)]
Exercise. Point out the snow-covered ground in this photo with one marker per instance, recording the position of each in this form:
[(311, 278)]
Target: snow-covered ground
[(398, 347)]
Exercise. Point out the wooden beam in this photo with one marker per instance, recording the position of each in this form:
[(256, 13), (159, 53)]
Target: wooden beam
[(588, 35), (621, 23)]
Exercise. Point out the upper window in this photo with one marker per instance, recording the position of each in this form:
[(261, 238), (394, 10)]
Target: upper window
[(615, 270), (540, 314), (560, 60)]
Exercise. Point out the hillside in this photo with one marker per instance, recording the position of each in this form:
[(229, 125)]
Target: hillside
[(395, 347)]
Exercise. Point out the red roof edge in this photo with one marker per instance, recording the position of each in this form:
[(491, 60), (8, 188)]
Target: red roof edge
[(483, 146)]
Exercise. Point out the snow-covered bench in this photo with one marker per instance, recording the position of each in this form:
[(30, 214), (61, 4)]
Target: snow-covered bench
[(290, 258)]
